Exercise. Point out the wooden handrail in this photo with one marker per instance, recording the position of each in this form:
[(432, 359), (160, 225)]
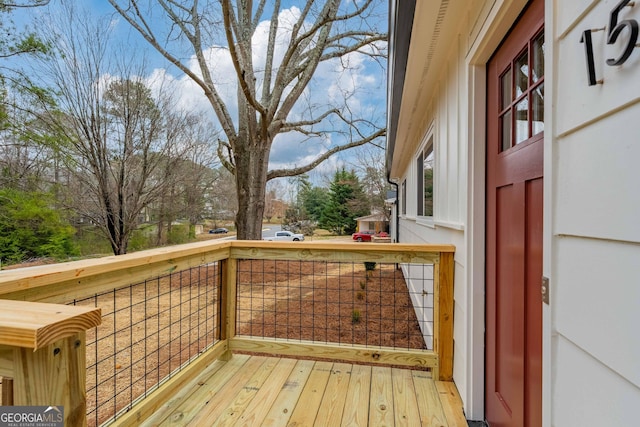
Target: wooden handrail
[(42, 351), (61, 283)]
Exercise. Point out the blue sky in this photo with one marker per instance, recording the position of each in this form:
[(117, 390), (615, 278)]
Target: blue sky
[(365, 83)]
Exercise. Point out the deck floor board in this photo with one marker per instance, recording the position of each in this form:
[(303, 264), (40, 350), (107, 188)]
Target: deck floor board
[(270, 391)]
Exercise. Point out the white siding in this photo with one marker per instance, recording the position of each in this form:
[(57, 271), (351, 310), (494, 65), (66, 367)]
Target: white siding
[(597, 301), (587, 393), (593, 257), (450, 140), (413, 232), (448, 117), (597, 192), (591, 207), (450, 136)]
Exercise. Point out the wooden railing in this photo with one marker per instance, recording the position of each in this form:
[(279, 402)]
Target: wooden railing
[(64, 283)]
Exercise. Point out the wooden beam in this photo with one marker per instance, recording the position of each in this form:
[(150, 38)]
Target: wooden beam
[(355, 353), (443, 307), (7, 392), (61, 283), (329, 245), (6, 361), (54, 375), (228, 302), (339, 252)]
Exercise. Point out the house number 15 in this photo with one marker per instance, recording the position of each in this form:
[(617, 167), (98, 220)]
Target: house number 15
[(615, 29)]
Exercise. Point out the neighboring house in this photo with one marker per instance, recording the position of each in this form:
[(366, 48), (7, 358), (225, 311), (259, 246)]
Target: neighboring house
[(511, 134), (376, 222)]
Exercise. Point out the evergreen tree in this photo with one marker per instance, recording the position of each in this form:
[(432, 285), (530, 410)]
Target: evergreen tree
[(314, 199), (347, 202)]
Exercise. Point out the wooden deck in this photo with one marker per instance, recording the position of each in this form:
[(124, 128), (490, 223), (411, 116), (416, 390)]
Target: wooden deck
[(271, 391)]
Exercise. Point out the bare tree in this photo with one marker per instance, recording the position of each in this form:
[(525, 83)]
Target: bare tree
[(369, 166), (23, 165), (274, 200), (221, 203), (192, 180), (118, 133), (272, 86)]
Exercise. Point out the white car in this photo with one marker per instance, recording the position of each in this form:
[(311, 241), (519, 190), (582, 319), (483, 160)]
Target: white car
[(286, 236)]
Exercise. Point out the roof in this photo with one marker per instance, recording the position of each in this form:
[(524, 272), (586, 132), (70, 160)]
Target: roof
[(400, 23), (421, 38), (373, 217)]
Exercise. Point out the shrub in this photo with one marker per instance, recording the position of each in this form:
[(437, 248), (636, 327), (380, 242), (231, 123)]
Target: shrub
[(355, 316)]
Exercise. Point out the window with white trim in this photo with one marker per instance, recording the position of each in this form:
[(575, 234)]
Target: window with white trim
[(404, 197), (424, 169)]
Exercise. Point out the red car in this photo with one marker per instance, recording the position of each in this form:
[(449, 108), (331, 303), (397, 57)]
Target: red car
[(363, 236)]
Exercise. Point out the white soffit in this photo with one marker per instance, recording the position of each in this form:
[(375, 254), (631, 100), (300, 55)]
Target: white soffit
[(433, 37)]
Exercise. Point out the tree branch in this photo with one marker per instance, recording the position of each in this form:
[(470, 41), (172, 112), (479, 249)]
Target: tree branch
[(280, 173), (226, 158), (258, 15), (342, 50), (240, 72), (268, 69), (34, 3), (288, 126), (210, 92)]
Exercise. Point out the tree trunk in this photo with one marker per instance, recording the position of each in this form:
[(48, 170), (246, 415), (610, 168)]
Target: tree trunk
[(251, 184)]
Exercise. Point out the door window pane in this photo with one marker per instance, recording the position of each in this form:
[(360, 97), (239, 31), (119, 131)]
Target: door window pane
[(505, 136), (538, 58), (505, 83), (522, 120), (521, 112), (522, 73), (537, 110)]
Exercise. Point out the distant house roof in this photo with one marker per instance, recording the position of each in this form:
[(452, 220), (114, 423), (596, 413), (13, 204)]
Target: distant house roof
[(372, 217)]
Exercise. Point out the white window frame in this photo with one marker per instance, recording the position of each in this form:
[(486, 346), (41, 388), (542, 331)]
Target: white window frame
[(403, 198), (426, 151)]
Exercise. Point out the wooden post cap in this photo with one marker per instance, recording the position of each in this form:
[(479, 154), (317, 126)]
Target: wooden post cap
[(36, 325)]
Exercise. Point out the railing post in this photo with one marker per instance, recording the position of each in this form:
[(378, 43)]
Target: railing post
[(7, 391), (228, 303), (443, 315), (53, 375), (43, 350)]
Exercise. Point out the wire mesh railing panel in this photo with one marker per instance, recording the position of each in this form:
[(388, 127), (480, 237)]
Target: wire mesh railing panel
[(346, 303), (419, 280), (149, 331)]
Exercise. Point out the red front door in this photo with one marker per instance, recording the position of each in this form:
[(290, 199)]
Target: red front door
[(515, 130)]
